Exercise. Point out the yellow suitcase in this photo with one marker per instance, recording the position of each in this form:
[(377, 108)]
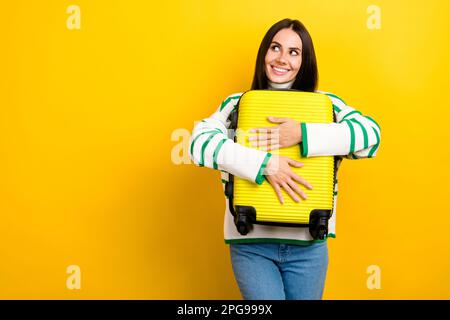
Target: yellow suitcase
[(252, 203)]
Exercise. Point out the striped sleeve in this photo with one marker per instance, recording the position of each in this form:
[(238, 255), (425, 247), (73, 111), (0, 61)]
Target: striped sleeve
[(211, 145), (353, 136)]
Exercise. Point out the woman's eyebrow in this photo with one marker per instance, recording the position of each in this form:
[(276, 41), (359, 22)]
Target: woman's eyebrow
[(289, 48)]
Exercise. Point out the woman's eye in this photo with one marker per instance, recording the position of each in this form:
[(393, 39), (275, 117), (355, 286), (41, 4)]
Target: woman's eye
[(275, 48), (294, 53)]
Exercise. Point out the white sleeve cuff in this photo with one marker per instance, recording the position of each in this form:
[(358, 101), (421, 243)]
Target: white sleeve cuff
[(325, 139), (241, 161)]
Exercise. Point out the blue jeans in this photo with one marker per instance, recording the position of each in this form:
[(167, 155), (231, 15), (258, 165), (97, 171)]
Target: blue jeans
[(271, 271)]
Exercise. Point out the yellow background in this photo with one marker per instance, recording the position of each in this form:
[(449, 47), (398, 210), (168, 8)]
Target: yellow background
[(86, 118)]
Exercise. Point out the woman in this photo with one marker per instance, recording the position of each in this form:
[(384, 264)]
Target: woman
[(274, 262)]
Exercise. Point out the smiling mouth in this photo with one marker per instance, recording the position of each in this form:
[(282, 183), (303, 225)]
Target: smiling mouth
[(278, 70)]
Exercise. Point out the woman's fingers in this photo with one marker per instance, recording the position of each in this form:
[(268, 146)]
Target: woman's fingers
[(263, 137), (297, 177), (301, 181), (289, 186), (277, 189), (263, 130), (273, 147), (290, 192), (284, 177), (297, 189), (260, 143), (295, 163)]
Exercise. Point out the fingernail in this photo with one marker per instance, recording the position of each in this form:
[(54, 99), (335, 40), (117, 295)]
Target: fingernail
[(254, 144), (251, 138), (251, 130)]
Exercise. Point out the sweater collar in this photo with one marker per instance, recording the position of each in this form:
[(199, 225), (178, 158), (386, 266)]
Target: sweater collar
[(277, 86)]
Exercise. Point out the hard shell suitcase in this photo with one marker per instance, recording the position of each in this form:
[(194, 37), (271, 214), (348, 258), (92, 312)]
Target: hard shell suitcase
[(252, 203)]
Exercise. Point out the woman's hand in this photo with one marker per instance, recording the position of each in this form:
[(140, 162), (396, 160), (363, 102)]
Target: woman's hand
[(287, 134), (280, 175)]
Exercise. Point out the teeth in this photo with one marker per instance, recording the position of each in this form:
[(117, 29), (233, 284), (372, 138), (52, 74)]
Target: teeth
[(280, 70)]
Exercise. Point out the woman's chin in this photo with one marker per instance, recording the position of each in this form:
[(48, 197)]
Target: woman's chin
[(279, 80)]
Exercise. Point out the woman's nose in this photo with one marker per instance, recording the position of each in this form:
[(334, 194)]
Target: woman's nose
[(282, 58)]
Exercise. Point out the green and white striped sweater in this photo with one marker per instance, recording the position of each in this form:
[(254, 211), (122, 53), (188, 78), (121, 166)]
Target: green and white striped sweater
[(353, 136)]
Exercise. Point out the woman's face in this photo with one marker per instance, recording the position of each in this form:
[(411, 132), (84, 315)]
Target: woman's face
[(284, 57)]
